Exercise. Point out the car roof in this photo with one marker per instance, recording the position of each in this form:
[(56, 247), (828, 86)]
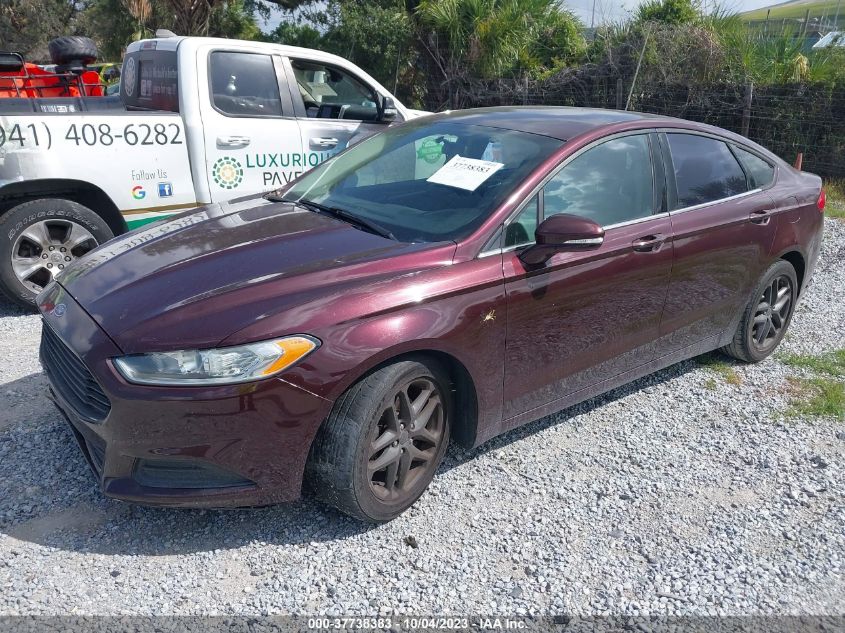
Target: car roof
[(558, 122)]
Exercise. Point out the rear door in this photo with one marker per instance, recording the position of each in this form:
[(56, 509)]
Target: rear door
[(724, 225), (334, 107), (252, 139)]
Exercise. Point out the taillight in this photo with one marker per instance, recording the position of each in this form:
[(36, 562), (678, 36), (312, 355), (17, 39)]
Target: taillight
[(822, 201)]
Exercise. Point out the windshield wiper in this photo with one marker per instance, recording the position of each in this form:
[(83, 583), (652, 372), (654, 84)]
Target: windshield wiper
[(351, 218)]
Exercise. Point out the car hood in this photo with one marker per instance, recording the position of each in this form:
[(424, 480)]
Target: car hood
[(198, 278)]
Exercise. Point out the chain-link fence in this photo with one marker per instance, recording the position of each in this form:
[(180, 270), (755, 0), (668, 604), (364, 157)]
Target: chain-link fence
[(787, 119)]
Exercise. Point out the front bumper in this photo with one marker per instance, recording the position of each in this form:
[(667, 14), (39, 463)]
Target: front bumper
[(235, 445)]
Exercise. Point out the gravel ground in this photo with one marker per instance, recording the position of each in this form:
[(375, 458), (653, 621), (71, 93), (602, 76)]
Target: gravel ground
[(678, 494)]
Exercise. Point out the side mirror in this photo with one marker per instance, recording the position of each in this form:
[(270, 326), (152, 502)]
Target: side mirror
[(387, 110), (562, 232)]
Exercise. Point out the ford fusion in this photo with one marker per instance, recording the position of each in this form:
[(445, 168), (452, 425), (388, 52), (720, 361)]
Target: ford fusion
[(448, 279)]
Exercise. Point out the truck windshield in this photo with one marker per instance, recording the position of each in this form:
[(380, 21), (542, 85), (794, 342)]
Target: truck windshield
[(425, 181)]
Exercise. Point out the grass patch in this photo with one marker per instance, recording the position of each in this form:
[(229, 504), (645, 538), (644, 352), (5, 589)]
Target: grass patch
[(835, 190), (722, 367), (831, 363), (793, 10), (817, 397)]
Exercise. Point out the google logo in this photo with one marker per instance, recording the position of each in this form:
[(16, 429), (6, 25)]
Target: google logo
[(138, 192)]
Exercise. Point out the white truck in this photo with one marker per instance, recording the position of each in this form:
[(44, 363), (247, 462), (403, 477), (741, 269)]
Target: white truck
[(198, 120)]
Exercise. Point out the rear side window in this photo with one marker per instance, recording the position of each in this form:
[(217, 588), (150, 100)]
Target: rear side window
[(705, 170), (244, 84), (760, 172), (149, 80)]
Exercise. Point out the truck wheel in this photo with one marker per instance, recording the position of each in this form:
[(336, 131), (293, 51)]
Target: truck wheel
[(386, 435), (72, 48), (39, 239)]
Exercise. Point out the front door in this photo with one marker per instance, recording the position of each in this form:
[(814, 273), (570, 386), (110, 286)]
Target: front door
[(334, 107), (588, 316), (252, 139)]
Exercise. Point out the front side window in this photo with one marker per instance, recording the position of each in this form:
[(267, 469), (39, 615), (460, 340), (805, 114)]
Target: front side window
[(759, 171), (705, 170), (244, 84), (610, 183), (521, 230), (330, 93), (426, 181)]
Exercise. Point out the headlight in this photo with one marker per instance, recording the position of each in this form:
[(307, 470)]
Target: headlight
[(226, 365)]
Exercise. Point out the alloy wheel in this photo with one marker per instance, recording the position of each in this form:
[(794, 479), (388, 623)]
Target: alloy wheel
[(772, 313), (45, 248), (405, 441)]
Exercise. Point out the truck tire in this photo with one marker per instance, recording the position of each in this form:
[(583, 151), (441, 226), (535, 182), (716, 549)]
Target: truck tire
[(38, 239), (72, 48)]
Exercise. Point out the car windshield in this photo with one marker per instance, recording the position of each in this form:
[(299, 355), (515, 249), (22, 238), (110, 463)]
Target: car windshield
[(425, 181)]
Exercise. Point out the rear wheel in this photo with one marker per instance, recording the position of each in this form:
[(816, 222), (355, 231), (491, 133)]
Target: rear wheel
[(383, 441), (39, 239), (767, 315)]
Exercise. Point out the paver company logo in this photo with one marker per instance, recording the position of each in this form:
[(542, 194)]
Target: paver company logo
[(138, 192), (130, 75), (227, 172)]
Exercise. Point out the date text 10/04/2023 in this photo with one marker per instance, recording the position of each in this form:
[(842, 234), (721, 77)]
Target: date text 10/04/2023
[(412, 623)]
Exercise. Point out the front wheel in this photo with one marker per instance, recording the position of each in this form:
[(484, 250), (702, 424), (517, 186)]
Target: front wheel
[(39, 239), (383, 441), (767, 315)]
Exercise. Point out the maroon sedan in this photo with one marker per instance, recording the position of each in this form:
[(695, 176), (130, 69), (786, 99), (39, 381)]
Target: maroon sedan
[(451, 278)]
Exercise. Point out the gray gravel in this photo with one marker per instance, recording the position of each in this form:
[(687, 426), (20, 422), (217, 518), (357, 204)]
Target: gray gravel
[(678, 494)]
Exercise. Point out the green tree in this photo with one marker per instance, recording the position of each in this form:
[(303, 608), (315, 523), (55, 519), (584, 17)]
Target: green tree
[(374, 34), (27, 25), (465, 40), (668, 12)]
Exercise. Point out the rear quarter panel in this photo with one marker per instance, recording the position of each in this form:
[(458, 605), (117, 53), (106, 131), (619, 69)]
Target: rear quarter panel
[(799, 222)]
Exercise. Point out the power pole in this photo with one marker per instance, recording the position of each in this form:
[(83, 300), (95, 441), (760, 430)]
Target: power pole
[(836, 17), (593, 17)]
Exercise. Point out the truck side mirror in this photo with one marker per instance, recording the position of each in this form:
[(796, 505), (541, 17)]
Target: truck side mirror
[(387, 110)]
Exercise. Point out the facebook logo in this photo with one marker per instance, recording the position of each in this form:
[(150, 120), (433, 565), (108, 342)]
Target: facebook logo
[(165, 190)]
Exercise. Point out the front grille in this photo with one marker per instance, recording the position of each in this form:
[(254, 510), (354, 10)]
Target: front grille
[(71, 378)]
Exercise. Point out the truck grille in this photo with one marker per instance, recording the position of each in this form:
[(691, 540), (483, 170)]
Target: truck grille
[(71, 378)]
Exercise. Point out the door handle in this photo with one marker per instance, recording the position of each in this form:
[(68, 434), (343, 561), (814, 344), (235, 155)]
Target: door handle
[(762, 216), (648, 243), (233, 141), (323, 142)]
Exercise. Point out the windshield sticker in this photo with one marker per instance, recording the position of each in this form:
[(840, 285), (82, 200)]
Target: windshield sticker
[(465, 173), (430, 151)]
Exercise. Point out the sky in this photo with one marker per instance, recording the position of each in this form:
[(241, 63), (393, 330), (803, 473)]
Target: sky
[(606, 10)]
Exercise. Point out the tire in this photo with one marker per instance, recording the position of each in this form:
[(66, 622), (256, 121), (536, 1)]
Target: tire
[(72, 48), (338, 470), (30, 230), (746, 345)]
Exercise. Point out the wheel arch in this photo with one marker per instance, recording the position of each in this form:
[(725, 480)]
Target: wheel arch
[(79, 191), (465, 402), (799, 263)]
